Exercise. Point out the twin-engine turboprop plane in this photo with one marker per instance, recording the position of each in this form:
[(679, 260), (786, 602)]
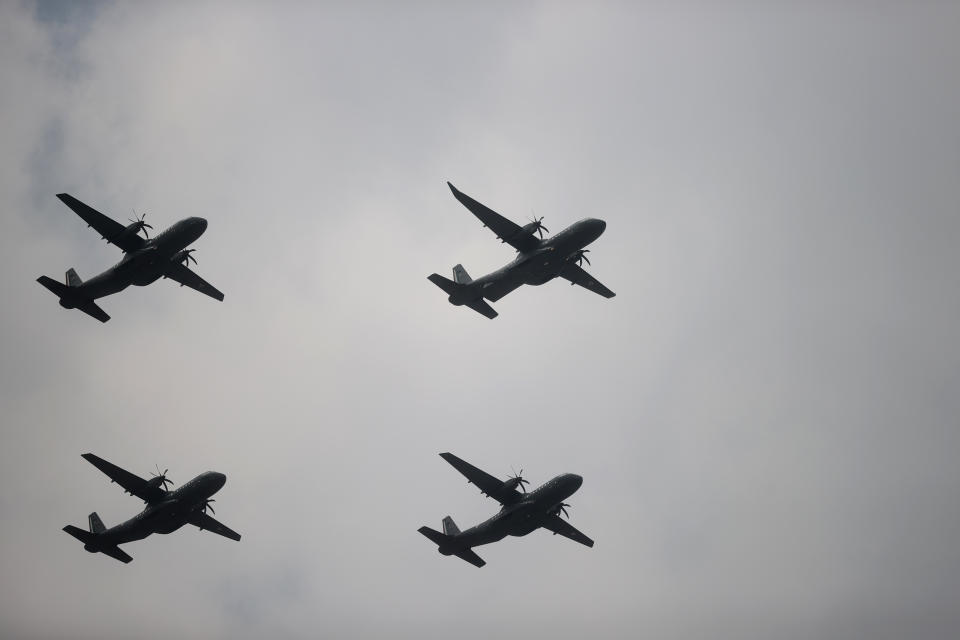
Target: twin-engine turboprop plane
[(144, 260), (540, 259), (521, 512), (166, 511)]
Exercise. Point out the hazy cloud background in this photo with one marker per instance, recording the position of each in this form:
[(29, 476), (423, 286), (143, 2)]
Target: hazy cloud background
[(765, 415)]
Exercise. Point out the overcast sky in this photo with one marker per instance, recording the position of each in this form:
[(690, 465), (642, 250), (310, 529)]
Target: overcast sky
[(765, 416)]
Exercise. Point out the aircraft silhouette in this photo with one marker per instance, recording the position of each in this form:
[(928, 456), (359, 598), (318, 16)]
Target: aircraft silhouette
[(166, 511), (540, 259), (144, 260), (521, 512)]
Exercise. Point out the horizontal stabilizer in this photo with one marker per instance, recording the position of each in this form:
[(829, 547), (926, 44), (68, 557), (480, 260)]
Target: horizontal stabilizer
[(83, 536), (117, 554), (483, 308), (88, 538), (471, 557), (91, 309), (453, 288), (435, 536), (69, 298), (449, 286), (57, 288)]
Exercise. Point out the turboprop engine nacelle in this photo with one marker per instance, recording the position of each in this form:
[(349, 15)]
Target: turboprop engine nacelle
[(131, 229)]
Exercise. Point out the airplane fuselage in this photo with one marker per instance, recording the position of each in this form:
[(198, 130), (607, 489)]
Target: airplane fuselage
[(518, 519), (141, 266), (165, 515), (536, 266)]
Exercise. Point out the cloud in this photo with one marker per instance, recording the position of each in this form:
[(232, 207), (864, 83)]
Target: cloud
[(763, 416)]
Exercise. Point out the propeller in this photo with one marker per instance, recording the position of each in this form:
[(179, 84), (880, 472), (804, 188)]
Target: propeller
[(163, 477), (517, 480), (538, 226), (206, 505), (187, 257), (140, 224), (561, 508), (579, 256)]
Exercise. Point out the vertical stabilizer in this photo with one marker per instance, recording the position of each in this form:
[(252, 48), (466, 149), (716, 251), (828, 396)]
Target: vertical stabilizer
[(450, 528), (73, 280), (96, 524), (460, 275)]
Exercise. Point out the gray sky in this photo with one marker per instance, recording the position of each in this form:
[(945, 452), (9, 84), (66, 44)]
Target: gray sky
[(765, 416)]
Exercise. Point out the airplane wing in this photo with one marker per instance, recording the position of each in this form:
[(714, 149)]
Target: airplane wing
[(576, 275), (131, 483), (207, 523), (487, 484), (558, 525), (111, 230), (507, 231), (177, 271)]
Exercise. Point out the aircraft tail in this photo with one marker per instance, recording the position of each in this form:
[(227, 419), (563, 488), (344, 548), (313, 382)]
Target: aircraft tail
[(90, 540), (459, 292), (69, 298), (96, 524), (441, 539)]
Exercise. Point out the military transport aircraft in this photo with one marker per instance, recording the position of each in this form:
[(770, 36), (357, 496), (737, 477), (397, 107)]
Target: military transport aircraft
[(166, 511), (144, 260), (540, 260), (521, 512)]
